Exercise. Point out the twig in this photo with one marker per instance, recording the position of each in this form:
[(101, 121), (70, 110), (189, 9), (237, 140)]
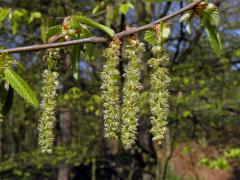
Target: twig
[(54, 45), (101, 39)]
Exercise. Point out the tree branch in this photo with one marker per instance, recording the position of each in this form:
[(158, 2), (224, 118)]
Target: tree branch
[(101, 39)]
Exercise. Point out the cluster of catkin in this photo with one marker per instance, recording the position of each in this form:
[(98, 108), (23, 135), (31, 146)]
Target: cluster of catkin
[(48, 101), (121, 118)]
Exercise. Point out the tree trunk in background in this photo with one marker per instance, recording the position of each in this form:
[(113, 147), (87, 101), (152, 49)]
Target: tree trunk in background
[(64, 140), (147, 176), (7, 131), (10, 138), (159, 158), (170, 140), (93, 169)]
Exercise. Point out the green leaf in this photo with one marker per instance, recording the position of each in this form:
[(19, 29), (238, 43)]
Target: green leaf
[(34, 15), (189, 26), (15, 17), (89, 22), (187, 17), (165, 31), (109, 15), (212, 14), (210, 19), (214, 38), (124, 8), (95, 9), (52, 31), (19, 65), (212, 33), (215, 18), (3, 14), (75, 61), (14, 25), (44, 29), (150, 37), (20, 86)]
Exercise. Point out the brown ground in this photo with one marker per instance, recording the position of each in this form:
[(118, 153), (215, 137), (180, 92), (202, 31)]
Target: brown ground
[(186, 164)]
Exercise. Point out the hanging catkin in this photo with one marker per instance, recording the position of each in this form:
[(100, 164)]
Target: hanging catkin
[(110, 86), (159, 80), (48, 102), (131, 92)]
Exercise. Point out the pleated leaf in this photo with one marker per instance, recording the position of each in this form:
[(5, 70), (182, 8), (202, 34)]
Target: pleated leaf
[(89, 22), (214, 38), (150, 37), (212, 13), (210, 20), (52, 31), (20, 86)]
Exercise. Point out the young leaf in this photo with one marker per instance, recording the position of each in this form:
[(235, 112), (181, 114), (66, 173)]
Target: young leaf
[(150, 37), (34, 15), (212, 14), (14, 25), (189, 27), (19, 65), (165, 31), (213, 37), (15, 17), (124, 8), (89, 22), (3, 14), (95, 9), (52, 31), (109, 15), (75, 61), (185, 17), (210, 20), (20, 86)]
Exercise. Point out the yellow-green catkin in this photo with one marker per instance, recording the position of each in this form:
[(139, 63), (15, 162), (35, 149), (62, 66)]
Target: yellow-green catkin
[(158, 100), (48, 101), (131, 92), (111, 90)]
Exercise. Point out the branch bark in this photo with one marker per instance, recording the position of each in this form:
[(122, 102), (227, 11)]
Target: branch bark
[(101, 39)]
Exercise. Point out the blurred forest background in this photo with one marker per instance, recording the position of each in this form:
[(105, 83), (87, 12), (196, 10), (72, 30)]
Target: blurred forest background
[(203, 138)]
